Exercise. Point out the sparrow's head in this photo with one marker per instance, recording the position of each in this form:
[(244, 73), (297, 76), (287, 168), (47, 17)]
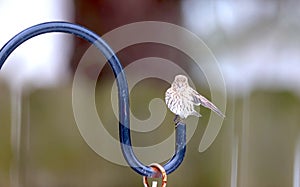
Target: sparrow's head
[(180, 81)]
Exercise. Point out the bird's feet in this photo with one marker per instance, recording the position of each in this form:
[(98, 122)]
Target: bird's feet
[(177, 119)]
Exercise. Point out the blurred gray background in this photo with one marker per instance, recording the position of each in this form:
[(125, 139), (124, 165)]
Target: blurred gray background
[(256, 44)]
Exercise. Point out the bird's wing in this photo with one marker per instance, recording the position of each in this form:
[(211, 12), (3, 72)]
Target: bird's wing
[(198, 99)]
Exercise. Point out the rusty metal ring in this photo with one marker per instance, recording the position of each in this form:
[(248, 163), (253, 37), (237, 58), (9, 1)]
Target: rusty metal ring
[(157, 168)]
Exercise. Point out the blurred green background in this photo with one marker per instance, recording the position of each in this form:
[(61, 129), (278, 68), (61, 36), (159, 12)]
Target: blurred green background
[(257, 47)]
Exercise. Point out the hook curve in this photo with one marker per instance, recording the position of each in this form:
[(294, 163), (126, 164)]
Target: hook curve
[(123, 94)]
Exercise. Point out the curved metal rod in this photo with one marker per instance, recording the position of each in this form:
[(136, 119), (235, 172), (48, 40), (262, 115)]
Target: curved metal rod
[(123, 94)]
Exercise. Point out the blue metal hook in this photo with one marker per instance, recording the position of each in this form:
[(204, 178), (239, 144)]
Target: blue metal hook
[(123, 94)]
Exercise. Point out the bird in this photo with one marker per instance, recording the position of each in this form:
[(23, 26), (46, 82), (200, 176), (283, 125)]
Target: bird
[(180, 98)]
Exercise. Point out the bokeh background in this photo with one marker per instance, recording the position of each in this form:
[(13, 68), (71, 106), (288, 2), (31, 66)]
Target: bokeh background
[(256, 44)]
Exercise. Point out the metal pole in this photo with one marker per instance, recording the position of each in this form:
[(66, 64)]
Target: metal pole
[(123, 94)]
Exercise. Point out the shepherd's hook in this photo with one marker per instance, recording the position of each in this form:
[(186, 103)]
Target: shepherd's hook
[(123, 94)]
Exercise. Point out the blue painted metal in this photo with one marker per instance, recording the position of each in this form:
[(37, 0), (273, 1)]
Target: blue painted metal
[(124, 123)]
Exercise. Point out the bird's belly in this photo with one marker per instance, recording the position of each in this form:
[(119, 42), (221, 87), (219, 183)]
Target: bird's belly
[(182, 108)]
